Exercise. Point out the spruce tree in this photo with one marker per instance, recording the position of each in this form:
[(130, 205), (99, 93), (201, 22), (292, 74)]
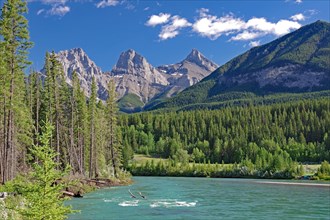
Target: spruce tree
[(41, 189), (92, 113), (79, 122), (35, 90), (114, 148), (15, 44)]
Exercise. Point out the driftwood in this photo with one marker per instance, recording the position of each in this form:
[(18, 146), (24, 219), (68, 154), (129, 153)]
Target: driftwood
[(97, 181), (143, 196), (132, 195), (67, 193), (78, 195), (102, 182)]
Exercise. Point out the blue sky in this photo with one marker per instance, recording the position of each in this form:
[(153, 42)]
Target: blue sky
[(164, 31)]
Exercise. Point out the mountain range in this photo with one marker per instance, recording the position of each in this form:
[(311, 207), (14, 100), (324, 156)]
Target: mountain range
[(137, 81), (296, 62)]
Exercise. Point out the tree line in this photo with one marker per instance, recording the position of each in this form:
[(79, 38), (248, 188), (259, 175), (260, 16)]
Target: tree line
[(85, 134), (270, 137)]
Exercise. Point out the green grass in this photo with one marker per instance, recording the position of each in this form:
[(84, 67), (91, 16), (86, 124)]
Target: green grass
[(142, 158), (130, 103), (311, 169), (139, 159)]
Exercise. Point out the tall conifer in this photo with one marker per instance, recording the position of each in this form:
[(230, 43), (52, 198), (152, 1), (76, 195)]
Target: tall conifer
[(114, 148), (15, 44)]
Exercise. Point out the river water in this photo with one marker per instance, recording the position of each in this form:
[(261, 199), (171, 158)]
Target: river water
[(206, 198)]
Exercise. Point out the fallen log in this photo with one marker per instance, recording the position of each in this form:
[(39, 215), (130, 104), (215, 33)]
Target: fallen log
[(67, 193)]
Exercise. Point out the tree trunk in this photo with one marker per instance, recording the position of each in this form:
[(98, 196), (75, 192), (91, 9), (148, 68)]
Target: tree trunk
[(4, 146), (91, 148), (72, 148), (37, 107), (9, 148)]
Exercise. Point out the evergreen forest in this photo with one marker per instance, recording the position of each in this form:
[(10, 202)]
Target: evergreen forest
[(47, 124)]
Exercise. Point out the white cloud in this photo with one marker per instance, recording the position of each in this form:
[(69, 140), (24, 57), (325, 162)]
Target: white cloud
[(213, 27), (172, 30), (280, 28), (59, 10), (203, 12), (107, 3), (254, 43), (260, 24), (167, 34), (246, 35), (298, 17), (40, 11), (284, 27), (312, 12), (53, 2), (178, 22), (60, 7), (298, 1), (158, 19), (57, 7)]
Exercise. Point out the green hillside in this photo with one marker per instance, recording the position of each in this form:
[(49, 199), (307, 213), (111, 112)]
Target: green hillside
[(130, 103), (308, 48)]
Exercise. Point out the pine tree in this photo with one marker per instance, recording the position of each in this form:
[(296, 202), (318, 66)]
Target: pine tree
[(79, 122), (114, 148), (55, 87), (92, 112), (4, 87), (41, 189), (15, 44), (35, 90)]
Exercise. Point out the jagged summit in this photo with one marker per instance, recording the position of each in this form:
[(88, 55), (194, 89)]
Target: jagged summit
[(198, 58), (79, 58), (188, 72), (77, 50), (74, 53), (76, 60), (135, 78), (131, 59), (194, 55), (134, 75)]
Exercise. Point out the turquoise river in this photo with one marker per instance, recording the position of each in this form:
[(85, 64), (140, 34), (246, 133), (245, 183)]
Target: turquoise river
[(206, 198)]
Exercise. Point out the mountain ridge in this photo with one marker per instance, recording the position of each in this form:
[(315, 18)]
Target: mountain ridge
[(134, 76), (296, 62)]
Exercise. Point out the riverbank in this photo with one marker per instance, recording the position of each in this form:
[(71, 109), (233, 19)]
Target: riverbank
[(297, 184), (143, 165), (75, 186), (213, 171), (78, 186), (204, 198)]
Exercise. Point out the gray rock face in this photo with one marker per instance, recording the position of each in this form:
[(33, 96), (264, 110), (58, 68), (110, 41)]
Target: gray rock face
[(76, 60), (188, 72), (287, 77), (134, 75)]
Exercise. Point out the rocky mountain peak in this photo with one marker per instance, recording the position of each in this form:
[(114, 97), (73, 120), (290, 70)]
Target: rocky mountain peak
[(134, 76), (131, 59), (77, 58), (199, 59), (195, 55)]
